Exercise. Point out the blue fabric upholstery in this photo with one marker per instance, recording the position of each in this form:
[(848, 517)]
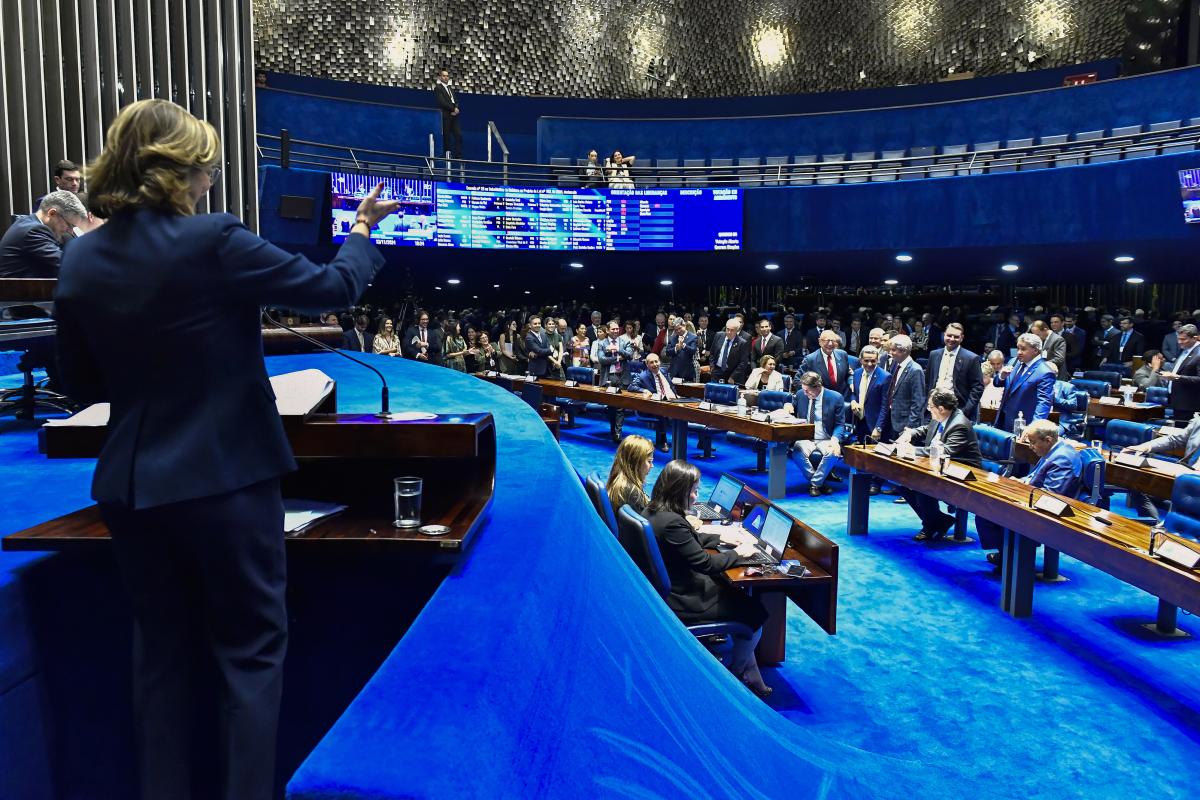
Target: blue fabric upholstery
[(725, 394), (1091, 478), (585, 376), (598, 494), (771, 401), (1159, 395), (995, 446), (1094, 388), (1120, 433), (1184, 517), (1112, 378)]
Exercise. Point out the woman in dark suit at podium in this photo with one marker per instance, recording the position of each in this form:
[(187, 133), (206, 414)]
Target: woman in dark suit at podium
[(188, 479)]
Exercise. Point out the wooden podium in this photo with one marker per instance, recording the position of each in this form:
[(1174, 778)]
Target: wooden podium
[(349, 459)]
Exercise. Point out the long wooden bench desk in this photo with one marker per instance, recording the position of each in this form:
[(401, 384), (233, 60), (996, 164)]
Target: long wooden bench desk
[(1109, 542), (778, 436), (1156, 478), (1138, 412)]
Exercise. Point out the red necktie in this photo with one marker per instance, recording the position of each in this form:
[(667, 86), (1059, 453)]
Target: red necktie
[(662, 386), (832, 372)]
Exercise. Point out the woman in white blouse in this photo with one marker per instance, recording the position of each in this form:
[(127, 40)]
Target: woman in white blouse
[(386, 342), (992, 394), (765, 376)]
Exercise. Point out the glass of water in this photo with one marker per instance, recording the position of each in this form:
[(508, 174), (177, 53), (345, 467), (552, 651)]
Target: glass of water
[(408, 502)]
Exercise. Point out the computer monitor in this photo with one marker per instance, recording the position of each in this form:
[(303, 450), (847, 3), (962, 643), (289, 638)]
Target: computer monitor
[(726, 493), (776, 529)]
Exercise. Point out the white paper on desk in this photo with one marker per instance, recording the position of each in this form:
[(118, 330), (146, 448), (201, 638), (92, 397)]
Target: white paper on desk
[(299, 515), (779, 415), (1110, 401), (94, 416), (721, 530), (298, 393)]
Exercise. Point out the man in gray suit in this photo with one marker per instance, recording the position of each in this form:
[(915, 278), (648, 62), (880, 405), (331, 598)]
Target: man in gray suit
[(1188, 441), (906, 394), (1054, 347)]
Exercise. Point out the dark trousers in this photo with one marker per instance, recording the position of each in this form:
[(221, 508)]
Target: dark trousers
[(991, 535), (451, 135), (206, 576), (927, 508)]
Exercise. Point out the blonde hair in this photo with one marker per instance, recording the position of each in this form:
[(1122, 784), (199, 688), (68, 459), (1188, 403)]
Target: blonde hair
[(626, 473), (150, 151)]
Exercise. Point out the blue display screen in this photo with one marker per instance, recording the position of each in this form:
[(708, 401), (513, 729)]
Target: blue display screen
[(545, 217), (1189, 187)]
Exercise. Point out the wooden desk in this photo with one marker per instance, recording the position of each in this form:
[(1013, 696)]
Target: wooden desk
[(1156, 479), (778, 436), (1141, 412), (988, 416), (1138, 397), (1118, 548)]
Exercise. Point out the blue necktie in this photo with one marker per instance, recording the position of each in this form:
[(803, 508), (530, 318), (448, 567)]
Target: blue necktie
[(724, 353), (941, 427), (1124, 339)]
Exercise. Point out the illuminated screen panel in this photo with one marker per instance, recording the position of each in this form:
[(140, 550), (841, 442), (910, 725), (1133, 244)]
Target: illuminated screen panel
[(1189, 188), (414, 224)]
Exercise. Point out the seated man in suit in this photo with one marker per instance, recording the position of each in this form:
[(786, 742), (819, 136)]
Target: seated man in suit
[(830, 362), (956, 368), (421, 342), (358, 338), (950, 425), (1188, 442), (1150, 372), (867, 393), (653, 380), (1028, 385), (731, 355), (1058, 469), (32, 245), (826, 409), (681, 350)]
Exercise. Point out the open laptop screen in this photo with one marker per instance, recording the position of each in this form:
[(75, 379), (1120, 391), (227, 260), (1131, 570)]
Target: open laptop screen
[(776, 529), (726, 493)]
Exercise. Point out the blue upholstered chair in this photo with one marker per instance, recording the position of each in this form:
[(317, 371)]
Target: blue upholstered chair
[(1110, 377), (1159, 395), (1091, 479), (598, 493), (995, 446), (724, 394), (1120, 433), (1094, 388), (637, 537), (1071, 415), (585, 376), (1184, 517)]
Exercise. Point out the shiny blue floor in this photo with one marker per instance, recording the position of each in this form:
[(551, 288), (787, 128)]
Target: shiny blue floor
[(1077, 701)]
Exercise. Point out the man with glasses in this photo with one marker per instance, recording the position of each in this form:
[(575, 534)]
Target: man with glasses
[(32, 246)]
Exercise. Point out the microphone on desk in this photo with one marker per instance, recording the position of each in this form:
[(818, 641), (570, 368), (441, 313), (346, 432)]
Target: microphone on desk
[(383, 396)]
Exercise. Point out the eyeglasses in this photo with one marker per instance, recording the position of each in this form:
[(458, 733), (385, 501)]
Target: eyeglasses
[(214, 174)]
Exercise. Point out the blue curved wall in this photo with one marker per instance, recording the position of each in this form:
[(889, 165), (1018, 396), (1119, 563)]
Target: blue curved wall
[(1150, 98), (352, 123)]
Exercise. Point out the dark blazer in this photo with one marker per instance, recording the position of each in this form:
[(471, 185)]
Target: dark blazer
[(968, 379), (854, 343), (1059, 471), (793, 341), (595, 333), (644, 382), (1076, 343), (1003, 338), (772, 346), (537, 348), (1054, 350), (812, 339), (1134, 346), (350, 341), (737, 365), (1185, 390), (192, 411), (442, 97), (1031, 395), (28, 249), (958, 439), (704, 342), (875, 408), (833, 411), (815, 362), (907, 406), (433, 351), (693, 570), (682, 362)]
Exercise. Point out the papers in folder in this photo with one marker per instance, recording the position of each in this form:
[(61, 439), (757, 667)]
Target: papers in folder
[(779, 415), (300, 515)]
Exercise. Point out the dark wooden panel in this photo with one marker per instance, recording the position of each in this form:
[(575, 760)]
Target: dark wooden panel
[(1137, 413), (33, 290)]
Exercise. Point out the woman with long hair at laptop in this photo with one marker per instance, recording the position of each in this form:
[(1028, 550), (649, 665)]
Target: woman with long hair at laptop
[(627, 478), (697, 596)]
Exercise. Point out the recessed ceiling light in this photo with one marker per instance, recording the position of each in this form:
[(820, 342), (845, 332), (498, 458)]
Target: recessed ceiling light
[(592, 287), (891, 282), (474, 297), (453, 281), (665, 282), (526, 291), (1010, 267), (576, 265), (772, 266), (438, 288), (495, 286), (1135, 280), (1123, 259), (904, 258)]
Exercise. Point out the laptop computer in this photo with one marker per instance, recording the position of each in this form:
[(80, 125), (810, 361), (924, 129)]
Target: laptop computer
[(719, 503), (772, 541)]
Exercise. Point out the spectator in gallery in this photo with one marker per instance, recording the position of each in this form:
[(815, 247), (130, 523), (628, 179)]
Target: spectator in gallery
[(593, 170), (471, 357), (920, 339), (627, 477), (597, 330), (455, 346), (358, 338), (422, 342), (581, 347), (765, 376), (557, 352), (486, 357), (385, 342), (443, 94), (616, 168), (506, 347)]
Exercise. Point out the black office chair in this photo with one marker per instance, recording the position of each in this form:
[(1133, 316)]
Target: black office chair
[(24, 401)]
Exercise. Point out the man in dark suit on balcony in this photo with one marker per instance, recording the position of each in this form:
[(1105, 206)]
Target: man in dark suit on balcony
[(448, 103)]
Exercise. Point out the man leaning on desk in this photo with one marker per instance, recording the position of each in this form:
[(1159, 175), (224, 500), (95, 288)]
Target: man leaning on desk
[(1188, 441)]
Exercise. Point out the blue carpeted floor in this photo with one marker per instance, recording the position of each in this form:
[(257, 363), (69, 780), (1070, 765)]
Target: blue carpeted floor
[(1075, 702)]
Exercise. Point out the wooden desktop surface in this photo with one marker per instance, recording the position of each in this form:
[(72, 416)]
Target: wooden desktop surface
[(1142, 412), (1156, 479)]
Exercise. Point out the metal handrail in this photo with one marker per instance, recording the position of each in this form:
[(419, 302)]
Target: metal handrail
[(494, 131), (864, 170)]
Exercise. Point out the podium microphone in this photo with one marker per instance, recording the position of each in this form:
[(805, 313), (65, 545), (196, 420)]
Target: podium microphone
[(383, 396)]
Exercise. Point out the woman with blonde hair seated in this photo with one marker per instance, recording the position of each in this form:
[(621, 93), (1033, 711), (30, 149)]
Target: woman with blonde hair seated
[(765, 376), (627, 478)]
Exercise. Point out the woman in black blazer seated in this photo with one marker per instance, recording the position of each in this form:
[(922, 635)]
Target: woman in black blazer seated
[(188, 479), (699, 590)]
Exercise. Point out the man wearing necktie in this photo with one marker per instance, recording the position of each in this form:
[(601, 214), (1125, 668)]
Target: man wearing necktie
[(653, 380), (956, 368), (1183, 376), (443, 94), (732, 363), (537, 348), (1123, 344), (766, 343), (1028, 385), (421, 343), (826, 410), (829, 362), (867, 393)]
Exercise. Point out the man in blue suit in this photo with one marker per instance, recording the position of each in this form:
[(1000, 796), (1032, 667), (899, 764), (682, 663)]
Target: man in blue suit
[(537, 347), (654, 380), (956, 368), (1059, 469), (867, 395), (1028, 384), (826, 409), (830, 362), (681, 349)]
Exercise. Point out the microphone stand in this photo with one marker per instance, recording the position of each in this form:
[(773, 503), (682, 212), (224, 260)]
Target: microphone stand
[(384, 413)]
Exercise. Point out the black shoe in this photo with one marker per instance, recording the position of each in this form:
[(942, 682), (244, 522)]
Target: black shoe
[(814, 490), (664, 447), (874, 490), (928, 535), (993, 558)]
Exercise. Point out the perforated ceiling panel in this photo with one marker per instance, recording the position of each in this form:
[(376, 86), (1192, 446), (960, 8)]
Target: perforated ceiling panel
[(678, 48)]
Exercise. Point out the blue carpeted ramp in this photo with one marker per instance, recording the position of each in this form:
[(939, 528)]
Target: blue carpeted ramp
[(544, 666)]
